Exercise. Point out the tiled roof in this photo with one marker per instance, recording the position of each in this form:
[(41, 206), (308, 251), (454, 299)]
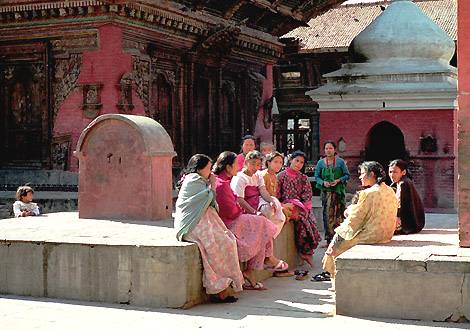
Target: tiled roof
[(337, 27)]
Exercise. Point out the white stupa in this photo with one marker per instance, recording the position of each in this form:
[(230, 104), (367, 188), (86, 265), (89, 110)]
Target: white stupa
[(401, 63)]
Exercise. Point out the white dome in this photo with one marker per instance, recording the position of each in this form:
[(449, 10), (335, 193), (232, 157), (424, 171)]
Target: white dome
[(403, 32)]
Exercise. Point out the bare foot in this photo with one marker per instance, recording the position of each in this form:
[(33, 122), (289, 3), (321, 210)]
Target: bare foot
[(249, 276), (271, 261), (223, 294)]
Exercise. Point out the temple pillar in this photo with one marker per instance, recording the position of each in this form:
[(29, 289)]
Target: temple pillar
[(463, 53), (265, 131)]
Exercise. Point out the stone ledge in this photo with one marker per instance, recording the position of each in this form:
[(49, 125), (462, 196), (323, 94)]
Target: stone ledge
[(138, 263), (424, 276)]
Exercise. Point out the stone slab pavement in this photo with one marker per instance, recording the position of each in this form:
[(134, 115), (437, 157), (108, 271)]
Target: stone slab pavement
[(287, 304)]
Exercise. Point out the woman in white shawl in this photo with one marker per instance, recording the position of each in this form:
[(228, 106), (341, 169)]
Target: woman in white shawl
[(197, 220)]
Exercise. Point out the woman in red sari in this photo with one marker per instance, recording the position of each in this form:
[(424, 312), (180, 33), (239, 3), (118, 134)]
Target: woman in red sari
[(254, 233), (295, 188)]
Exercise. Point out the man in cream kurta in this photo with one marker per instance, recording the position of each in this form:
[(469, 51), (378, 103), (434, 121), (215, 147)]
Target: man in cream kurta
[(372, 220)]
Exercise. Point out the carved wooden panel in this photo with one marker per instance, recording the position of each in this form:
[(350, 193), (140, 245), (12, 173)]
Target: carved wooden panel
[(60, 152), (24, 105)]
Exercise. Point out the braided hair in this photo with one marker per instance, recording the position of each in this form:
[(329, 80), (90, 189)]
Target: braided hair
[(374, 167)]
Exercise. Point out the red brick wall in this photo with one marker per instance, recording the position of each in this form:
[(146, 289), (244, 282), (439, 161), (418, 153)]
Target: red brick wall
[(432, 174), (463, 53), (105, 66)]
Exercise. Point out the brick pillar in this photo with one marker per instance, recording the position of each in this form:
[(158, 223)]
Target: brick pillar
[(463, 52)]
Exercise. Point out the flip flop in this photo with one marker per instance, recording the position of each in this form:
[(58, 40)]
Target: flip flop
[(217, 300), (301, 275), (323, 277), (280, 267), (285, 273), (258, 286)]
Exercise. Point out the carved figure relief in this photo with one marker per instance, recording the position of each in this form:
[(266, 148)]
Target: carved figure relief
[(141, 75), (267, 112), (162, 98), (221, 40), (19, 104), (65, 78), (24, 125), (428, 143), (256, 93), (91, 100), (37, 96), (60, 152), (229, 101), (125, 99), (8, 72)]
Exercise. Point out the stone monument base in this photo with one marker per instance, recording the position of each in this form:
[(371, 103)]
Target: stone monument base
[(425, 276), (59, 255)]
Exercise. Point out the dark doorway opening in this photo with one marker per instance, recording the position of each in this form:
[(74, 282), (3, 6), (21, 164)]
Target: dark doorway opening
[(297, 130), (385, 142)]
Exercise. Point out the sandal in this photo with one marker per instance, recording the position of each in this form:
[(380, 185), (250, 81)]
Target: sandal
[(301, 275), (322, 277), (217, 300), (257, 286), (280, 267), (285, 273)]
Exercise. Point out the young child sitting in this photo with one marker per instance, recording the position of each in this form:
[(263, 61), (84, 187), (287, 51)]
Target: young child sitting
[(24, 206), (251, 192)]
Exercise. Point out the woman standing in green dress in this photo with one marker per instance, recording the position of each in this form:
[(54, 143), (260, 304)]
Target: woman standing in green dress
[(331, 175)]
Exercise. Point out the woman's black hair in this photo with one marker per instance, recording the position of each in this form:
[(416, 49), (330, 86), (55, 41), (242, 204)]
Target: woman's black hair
[(270, 157), (297, 153), (247, 137), (374, 167), (402, 165), (195, 163), (225, 158), (329, 142)]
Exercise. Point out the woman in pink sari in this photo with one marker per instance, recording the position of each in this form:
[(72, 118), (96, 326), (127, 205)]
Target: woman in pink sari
[(254, 233), (252, 195), (296, 189)]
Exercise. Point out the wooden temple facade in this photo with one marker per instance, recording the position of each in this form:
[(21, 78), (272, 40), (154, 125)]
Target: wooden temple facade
[(203, 69)]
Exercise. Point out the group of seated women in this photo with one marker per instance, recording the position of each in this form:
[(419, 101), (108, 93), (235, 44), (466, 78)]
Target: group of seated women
[(232, 209), (234, 214)]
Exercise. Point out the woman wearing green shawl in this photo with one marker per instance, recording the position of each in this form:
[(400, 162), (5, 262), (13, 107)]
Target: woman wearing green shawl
[(331, 175), (197, 220)]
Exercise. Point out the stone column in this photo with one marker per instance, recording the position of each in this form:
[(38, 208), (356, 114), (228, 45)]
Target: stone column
[(463, 53)]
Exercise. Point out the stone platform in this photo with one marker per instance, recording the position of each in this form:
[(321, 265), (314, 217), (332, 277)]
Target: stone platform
[(140, 263), (424, 276)]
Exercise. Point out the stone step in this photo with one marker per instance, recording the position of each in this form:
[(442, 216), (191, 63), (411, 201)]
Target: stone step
[(135, 263), (424, 276)]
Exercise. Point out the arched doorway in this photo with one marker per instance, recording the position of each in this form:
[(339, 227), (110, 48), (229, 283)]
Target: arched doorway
[(384, 143)]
